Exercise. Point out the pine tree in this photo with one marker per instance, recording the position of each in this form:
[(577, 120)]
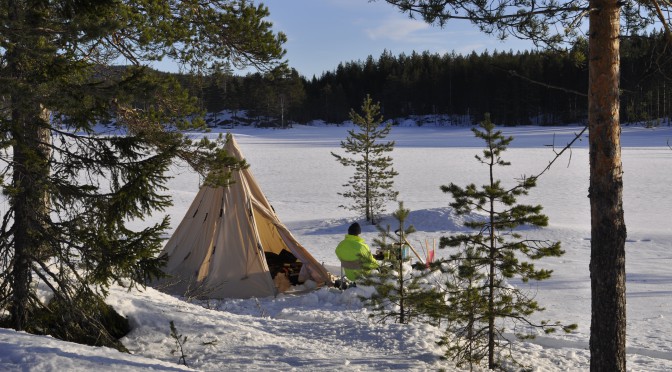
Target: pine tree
[(370, 188), (288, 94), (465, 309), (552, 23), (71, 191), (492, 255), (403, 292)]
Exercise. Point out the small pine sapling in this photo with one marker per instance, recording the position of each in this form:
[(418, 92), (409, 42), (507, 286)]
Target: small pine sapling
[(179, 343), (482, 300), (402, 292), (465, 307)]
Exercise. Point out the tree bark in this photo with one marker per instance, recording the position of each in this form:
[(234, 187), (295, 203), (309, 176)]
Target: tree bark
[(608, 232), (20, 277), (29, 196)]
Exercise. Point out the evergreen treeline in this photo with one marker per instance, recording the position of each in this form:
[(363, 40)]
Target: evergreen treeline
[(429, 84), (530, 87)]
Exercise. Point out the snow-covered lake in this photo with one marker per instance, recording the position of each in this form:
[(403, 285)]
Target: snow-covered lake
[(328, 330)]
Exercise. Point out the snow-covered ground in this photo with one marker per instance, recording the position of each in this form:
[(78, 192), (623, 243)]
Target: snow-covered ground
[(328, 329)]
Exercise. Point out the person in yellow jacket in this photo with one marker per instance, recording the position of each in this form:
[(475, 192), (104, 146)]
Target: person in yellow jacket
[(355, 255)]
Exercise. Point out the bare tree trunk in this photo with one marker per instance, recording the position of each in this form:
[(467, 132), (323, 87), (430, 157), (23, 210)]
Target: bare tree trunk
[(607, 262)]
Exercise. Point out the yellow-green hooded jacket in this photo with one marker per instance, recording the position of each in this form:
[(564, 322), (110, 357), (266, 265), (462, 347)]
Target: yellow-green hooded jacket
[(355, 256)]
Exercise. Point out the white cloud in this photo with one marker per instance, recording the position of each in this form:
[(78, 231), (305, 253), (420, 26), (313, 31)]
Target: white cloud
[(399, 30)]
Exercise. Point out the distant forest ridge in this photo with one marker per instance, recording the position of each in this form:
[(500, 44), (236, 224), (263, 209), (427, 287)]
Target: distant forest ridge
[(521, 88)]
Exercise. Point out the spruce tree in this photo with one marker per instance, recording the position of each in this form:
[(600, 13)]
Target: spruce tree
[(483, 300), (71, 190), (371, 187)]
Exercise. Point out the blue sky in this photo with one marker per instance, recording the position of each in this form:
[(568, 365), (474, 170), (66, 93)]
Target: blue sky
[(322, 33)]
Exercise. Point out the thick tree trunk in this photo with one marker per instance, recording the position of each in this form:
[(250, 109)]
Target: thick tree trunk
[(607, 262), (20, 278), (31, 207), (20, 274), (30, 169)]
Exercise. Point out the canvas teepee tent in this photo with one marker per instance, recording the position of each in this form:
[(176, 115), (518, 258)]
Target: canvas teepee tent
[(232, 244)]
